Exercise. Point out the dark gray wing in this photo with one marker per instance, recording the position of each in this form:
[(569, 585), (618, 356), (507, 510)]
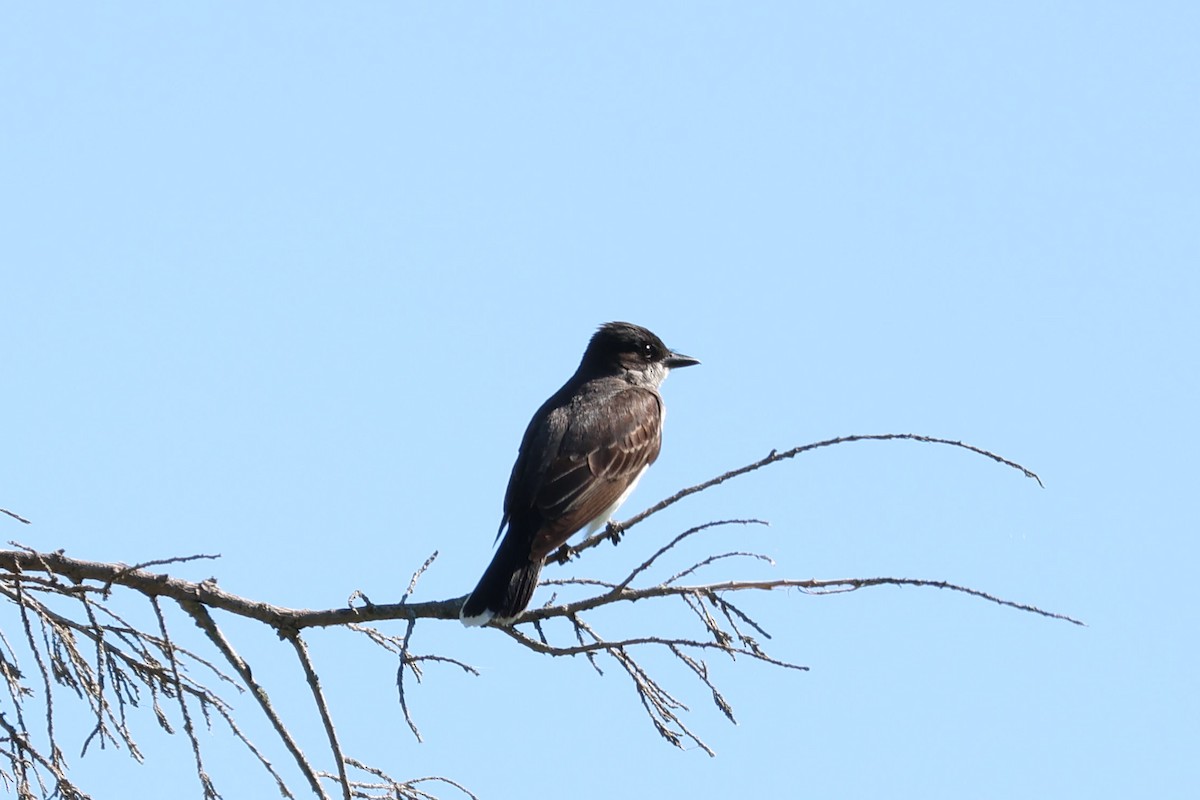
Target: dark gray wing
[(601, 454), (591, 450)]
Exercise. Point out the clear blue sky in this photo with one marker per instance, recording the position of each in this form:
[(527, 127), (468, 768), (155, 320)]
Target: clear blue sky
[(284, 281)]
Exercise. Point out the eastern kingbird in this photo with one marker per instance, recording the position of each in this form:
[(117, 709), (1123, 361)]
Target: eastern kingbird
[(582, 454)]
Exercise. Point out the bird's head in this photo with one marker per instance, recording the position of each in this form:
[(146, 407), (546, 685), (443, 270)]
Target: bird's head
[(623, 347)]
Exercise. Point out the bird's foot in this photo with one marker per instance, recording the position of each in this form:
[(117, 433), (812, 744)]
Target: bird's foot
[(565, 553), (614, 531)]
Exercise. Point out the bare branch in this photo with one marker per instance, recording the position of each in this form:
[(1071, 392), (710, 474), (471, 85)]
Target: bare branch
[(811, 586), (205, 622), (412, 585), (645, 565), (614, 530), (211, 595), (412, 623), (158, 562), (108, 662), (55, 754), (21, 750), (387, 788), (314, 683), (210, 792)]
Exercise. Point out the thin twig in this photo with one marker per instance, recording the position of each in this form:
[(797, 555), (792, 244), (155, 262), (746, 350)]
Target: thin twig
[(645, 565), (157, 562), (412, 623), (600, 645), (412, 585), (210, 791), (205, 622), (262, 759), (772, 458), (314, 683), (704, 562), (64, 786), (811, 586), (55, 753)]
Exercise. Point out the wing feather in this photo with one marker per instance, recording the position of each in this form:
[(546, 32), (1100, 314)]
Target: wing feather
[(600, 456), (603, 445)]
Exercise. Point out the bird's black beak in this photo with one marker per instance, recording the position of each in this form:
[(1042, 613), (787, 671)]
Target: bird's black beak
[(677, 360)]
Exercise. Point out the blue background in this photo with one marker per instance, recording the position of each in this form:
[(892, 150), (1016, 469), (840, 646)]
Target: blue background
[(284, 281)]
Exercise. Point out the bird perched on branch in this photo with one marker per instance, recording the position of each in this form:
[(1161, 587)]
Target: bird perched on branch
[(581, 456)]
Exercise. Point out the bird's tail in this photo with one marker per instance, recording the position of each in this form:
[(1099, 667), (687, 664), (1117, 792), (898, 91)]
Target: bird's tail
[(506, 586)]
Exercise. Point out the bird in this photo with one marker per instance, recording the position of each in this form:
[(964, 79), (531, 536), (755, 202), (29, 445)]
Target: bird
[(582, 454)]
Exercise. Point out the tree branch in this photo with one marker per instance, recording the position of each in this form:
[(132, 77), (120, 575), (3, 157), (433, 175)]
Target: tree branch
[(205, 622), (125, 657), (614, 530), (210, 791), (314, 683)]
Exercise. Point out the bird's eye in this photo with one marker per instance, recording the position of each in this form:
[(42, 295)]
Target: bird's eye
[(648, 351)]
